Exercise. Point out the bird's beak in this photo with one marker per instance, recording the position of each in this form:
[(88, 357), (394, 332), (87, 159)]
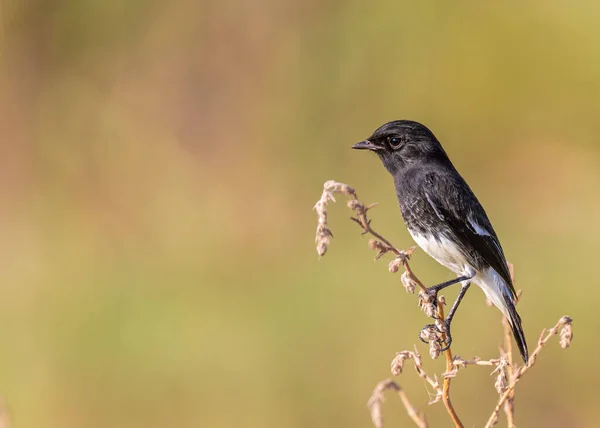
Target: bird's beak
[(366, 145)]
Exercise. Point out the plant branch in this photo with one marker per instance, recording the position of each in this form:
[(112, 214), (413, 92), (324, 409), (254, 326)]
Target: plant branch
[(380, 244), (566, 335), (377, 399)]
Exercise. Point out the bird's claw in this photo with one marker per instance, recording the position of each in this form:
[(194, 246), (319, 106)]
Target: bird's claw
[(434, 332), (428, 333)]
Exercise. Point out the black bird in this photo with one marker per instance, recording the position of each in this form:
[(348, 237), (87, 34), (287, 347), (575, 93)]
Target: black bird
[(445, 218)]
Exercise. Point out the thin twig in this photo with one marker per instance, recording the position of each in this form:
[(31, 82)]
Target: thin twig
[(509, 405), (397, 367), (509, 370), (377, 399), (446, 388)]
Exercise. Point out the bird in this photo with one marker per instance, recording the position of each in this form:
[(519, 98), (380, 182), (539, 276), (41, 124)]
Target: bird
[(445, 218)]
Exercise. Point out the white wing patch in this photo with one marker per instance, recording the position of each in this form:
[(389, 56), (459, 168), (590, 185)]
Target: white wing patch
[(480, 230)]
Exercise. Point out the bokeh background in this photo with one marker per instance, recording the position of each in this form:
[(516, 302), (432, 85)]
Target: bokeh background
[(158, 166)]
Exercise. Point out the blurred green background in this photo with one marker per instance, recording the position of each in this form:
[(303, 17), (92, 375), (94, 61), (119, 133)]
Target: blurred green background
[(158, 166)]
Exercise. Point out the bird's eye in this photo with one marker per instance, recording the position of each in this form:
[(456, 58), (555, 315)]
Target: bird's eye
[(395, 142)]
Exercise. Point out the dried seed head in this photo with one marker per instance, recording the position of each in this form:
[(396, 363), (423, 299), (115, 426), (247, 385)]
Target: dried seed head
[(429, 333), (566, 333), (346, 190), (502, 375), (394, 266), (323, 235), (374, 244), (334, 186), (378, 246), (322, 239), (322, 247), (408, 281), (435, 349), (354, 204), (500, 383), (427, 305), (398, 362)]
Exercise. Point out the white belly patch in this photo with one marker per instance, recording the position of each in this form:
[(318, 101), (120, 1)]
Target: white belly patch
[(446, 252)]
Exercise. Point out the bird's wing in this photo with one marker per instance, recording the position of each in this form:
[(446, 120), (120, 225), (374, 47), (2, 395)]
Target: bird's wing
[(460, 210)]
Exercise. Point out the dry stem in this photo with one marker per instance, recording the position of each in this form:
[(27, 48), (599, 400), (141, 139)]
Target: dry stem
[(563, 324), (509, 406), (447, 380)]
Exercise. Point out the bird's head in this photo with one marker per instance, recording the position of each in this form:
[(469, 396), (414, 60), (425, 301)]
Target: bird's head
[(402, 142)]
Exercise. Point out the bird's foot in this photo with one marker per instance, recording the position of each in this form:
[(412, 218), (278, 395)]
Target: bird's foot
[(438, 332)]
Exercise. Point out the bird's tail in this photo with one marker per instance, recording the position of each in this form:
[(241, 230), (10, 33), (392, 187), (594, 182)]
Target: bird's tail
[(515, 324), (500, 293)]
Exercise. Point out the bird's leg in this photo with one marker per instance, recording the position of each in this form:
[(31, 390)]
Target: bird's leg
[(448, 319), (435, 289)]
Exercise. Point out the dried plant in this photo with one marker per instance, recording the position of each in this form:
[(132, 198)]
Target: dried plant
[(507, 372)]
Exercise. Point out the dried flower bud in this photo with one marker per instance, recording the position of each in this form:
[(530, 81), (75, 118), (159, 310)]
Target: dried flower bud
[(566, 333), (407, 280)]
